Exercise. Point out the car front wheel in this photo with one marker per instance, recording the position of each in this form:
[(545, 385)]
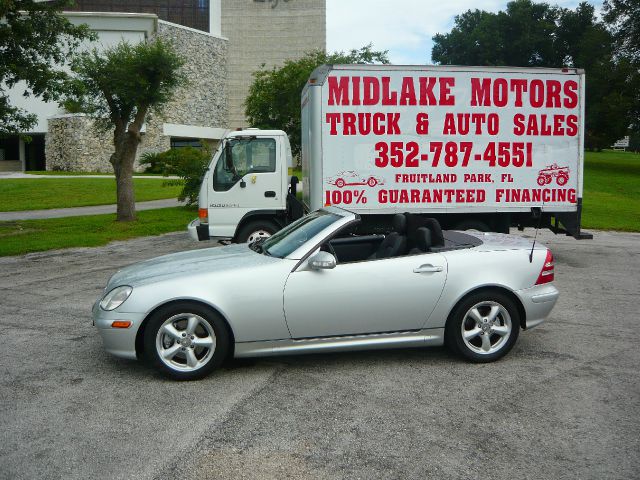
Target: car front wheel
[(186, 341), (483, 327)]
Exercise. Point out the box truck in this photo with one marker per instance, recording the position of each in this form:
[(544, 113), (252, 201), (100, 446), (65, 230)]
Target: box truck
[(474, 147)]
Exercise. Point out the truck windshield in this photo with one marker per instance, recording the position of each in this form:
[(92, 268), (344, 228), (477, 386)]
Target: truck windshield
[(290, 238), (241, 157)]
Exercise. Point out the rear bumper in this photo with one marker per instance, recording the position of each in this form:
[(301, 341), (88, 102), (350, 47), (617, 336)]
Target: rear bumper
[(198, 231), (538, 301)]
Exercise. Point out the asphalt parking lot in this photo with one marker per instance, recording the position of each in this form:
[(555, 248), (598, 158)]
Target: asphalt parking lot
[(565, 403)]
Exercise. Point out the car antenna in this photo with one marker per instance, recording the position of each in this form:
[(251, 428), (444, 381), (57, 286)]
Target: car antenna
[(535, 211)]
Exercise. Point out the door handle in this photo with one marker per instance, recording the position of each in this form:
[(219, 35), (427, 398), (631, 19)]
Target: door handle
[(270, 194), (427, 268)]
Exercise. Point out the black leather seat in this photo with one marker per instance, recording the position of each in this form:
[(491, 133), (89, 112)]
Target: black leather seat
[(423, 241), (415, 222), (437, 238), (395, 243)]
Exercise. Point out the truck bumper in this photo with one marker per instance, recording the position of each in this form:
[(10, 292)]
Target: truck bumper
[(198, 231)]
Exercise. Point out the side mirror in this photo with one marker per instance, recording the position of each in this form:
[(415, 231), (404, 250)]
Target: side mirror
[(322, 261)]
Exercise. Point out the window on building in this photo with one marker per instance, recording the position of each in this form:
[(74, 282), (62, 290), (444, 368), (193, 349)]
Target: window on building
[(10, 148), (181, 142), (190, 13)]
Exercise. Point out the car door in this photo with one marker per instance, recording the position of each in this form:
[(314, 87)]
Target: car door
[(373, 296)]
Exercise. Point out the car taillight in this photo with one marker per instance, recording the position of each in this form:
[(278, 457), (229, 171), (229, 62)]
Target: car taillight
[(546, 274), (203, 215)]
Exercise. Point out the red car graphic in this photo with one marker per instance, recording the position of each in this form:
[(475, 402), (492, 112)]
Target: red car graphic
[(545, 176), (351, 178)]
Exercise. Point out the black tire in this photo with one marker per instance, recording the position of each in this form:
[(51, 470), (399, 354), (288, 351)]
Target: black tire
[(473, 225), (472, 349), (249, 231), (209, 322)]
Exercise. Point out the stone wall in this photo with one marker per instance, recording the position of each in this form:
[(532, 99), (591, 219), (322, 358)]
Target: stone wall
[(72, 143), (203, 99), (267, 32)]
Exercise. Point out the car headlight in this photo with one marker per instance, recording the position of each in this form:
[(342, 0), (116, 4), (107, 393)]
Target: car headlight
[(115, 297)]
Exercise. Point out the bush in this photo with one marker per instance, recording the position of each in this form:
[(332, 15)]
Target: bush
[(188, 163), (153, 160)]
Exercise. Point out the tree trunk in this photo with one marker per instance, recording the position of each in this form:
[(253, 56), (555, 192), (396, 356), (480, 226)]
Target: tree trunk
[(122, 159)]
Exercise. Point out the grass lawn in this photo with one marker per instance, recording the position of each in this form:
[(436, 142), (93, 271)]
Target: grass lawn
[(43, 193), (24, 236), (611, 191)]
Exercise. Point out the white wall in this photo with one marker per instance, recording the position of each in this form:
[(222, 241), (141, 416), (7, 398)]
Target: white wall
[(111, 29)]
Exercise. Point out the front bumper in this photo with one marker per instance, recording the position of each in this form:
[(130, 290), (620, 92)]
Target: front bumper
[(198, 231), (120, 342), (538, 301)]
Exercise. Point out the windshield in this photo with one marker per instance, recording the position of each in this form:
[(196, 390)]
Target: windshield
[(290, 238)]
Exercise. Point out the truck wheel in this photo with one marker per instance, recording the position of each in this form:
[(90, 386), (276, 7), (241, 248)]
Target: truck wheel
[(372, 182), (542, 181), (473, 225), (340, 183), (561, 180), (255, 230)]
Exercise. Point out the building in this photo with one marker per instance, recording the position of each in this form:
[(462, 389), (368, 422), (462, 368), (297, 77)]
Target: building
[(266, 32), (223, 43)]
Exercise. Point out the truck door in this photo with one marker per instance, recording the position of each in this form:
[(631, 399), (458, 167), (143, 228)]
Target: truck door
[(246, 177)]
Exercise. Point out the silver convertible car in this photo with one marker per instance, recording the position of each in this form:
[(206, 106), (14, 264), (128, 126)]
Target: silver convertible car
[(320, 286)]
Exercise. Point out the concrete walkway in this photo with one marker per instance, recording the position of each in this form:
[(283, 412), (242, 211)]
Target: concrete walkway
[(79, 211), (11, 175)]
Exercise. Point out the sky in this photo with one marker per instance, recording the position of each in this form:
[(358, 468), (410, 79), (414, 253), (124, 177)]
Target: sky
[(403, 27)]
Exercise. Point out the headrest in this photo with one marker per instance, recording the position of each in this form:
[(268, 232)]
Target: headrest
[(423, 239), (437, 238), (399, 223)]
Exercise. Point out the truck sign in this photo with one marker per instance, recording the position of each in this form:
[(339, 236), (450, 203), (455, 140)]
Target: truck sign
[(473, 139)]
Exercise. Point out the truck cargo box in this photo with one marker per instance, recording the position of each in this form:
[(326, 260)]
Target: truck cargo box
[(380, 139)]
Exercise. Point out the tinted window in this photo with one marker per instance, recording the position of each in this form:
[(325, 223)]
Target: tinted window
[(254, 155)]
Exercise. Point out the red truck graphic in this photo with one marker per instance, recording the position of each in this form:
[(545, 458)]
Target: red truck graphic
[(545, 176)]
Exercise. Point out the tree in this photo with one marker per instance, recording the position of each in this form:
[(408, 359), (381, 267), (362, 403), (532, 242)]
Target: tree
[(119, 87), (34, 38), (274, 96), (623, 20), (531, 34), (623, 17)]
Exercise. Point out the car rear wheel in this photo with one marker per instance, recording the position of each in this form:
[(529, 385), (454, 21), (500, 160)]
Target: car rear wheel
[(186, 341), (483, 327)]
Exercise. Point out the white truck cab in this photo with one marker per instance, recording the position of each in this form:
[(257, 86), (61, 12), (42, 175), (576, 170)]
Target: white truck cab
[(244, 192)]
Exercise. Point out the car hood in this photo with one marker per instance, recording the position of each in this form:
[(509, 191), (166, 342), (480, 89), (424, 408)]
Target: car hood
[(192, 262)]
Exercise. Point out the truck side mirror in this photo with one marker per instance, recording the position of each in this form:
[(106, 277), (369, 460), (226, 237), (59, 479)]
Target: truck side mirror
[(322, 261)]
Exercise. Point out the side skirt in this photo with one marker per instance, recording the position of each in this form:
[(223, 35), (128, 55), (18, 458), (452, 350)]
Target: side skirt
[(421, 338)]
